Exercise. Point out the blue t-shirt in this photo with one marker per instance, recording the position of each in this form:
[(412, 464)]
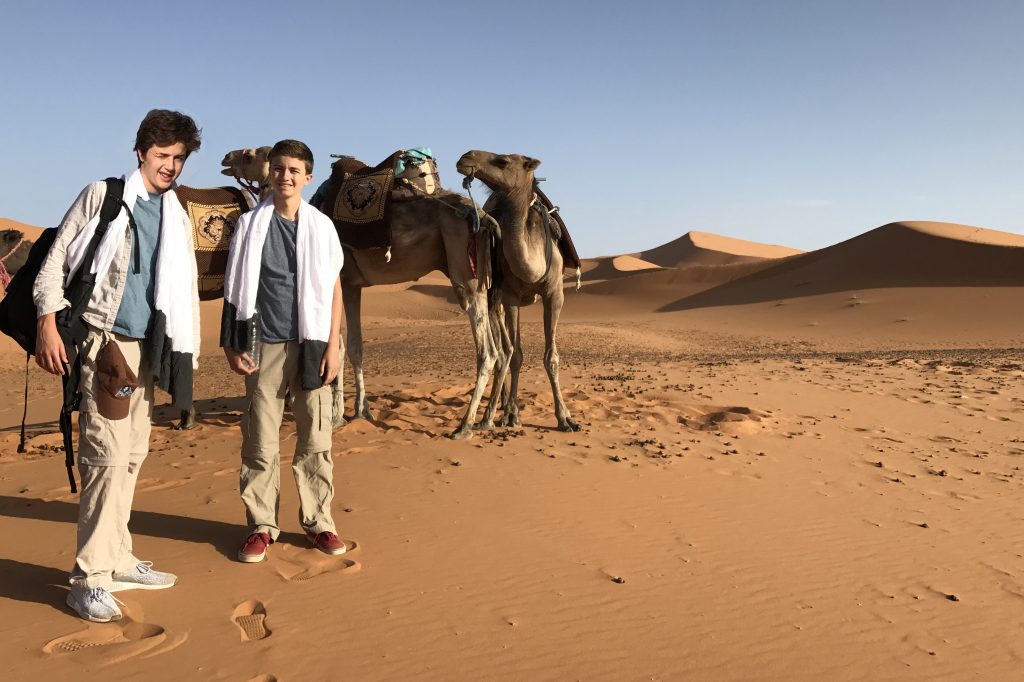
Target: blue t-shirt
[(136, 310), (276, 298)]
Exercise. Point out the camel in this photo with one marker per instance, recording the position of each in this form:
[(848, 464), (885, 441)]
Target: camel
[(14, 248), (531, 267), (250, 168), (427, 233)]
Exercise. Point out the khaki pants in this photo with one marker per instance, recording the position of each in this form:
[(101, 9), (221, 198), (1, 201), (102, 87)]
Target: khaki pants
[(110, 454), (312, 466)]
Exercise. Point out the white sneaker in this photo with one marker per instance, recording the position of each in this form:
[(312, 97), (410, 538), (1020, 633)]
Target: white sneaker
[(96, 605), (142, 577)]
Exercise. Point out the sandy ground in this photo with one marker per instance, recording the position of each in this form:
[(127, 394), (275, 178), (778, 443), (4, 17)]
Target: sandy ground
[(809, 471)]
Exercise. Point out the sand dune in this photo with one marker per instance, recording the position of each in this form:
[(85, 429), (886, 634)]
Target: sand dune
[(674, 282), (613, 267), (694, 249), (695, 262), (904, 254), (711, 249)]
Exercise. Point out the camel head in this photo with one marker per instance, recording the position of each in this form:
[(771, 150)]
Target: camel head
[(250, 167), (8, 239), (500, 172), (248, 164)]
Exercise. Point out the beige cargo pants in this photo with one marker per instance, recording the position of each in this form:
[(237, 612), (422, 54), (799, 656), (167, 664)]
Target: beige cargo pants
[(110, 454), (312, 466)]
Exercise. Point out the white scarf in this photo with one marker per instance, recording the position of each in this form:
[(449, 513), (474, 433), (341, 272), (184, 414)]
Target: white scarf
[(318, 261), (175, 256)]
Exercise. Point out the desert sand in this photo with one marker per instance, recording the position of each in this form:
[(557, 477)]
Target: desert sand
[(794, 466)]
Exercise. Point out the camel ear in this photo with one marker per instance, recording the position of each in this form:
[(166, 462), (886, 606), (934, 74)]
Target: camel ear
[(530, 164)]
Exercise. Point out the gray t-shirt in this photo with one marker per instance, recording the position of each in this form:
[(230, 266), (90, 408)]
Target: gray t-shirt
[(277, 299), (136, 310)]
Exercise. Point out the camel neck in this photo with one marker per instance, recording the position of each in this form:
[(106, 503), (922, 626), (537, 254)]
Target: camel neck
[(522, 242)]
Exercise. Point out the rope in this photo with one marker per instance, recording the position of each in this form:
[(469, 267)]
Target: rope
[(556, 233), (546, 221), (251, 187), (466, 185), (5, 276), (11, 252), (479, 213)]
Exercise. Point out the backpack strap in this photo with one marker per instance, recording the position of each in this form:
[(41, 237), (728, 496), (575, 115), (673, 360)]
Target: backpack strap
[(24, 412), (113, 202), (82, 284)]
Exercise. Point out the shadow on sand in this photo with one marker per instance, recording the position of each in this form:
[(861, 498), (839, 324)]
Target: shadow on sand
[(224, 537)]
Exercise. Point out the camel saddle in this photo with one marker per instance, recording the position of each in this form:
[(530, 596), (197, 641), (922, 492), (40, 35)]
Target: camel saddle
[(213, 213), (358, 199), (570, 258)]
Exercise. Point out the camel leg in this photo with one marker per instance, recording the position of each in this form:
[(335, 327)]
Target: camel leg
[(338, 390), (485, 354), (188, 420), (511, 407), (353, 298), (500, 339), (552, 308)]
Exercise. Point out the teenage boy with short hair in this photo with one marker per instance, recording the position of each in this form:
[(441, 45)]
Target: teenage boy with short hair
[(280, 329), (143, 329)]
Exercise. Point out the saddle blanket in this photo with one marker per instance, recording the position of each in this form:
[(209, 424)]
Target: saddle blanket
[(213, 213)]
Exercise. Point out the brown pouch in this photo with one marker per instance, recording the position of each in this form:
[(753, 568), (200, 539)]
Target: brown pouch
[(116, 382)]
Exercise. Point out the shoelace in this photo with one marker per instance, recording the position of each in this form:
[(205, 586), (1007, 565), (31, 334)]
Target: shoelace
[(96, 594)]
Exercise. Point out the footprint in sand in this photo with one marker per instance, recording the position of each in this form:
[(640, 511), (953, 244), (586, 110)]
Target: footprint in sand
[(736, 419), (250, 617), (299, 564), (263, 678), (119, 641)]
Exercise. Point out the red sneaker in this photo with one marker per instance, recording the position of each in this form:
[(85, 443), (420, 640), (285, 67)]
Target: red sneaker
[(327, 542), (254, 549)]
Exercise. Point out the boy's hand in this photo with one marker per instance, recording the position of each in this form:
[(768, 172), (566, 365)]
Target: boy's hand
[(240, 363), (50, 352), (330, 363)]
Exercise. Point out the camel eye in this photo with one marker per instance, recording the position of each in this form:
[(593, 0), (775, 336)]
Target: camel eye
[(501, 162)]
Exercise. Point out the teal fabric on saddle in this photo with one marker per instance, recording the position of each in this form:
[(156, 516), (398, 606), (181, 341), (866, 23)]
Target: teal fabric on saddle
[(412, 157)]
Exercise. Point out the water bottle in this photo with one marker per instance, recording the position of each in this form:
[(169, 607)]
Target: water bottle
[(253, 346)]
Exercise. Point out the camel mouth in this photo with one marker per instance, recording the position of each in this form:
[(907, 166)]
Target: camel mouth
[(466, 168), (227, 171)]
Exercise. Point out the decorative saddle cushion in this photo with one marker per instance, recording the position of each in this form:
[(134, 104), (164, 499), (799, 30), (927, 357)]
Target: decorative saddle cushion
[(358, 199), (213, 213)]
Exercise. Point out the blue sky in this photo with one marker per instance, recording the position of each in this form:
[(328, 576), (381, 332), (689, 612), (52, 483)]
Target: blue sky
[(795, 122)]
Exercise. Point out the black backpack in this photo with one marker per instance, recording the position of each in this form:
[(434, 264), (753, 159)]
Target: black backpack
[(18, 311)]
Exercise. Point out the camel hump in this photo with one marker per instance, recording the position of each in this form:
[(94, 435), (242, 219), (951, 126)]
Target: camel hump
[(346, 165)]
